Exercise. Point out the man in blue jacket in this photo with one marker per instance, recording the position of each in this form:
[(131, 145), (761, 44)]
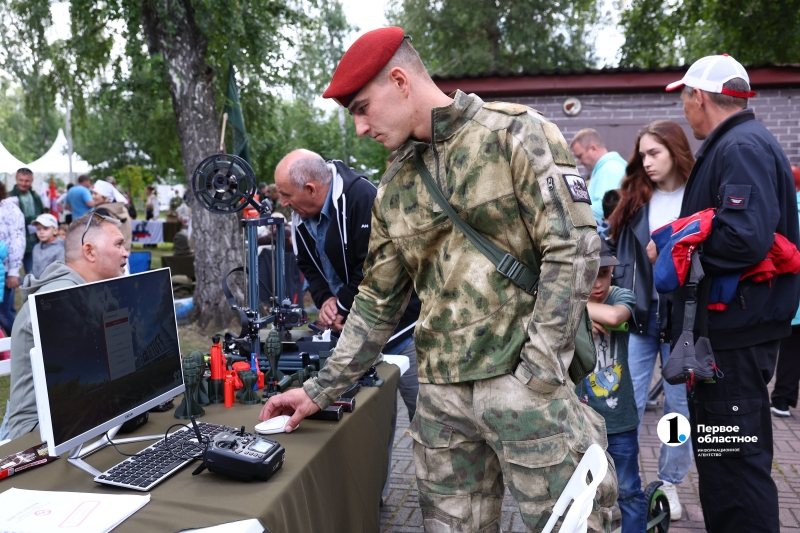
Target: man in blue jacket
[(331, 220), (607, 168), (742, 171)]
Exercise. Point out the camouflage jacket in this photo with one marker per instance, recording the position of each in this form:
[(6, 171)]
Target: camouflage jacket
[(511, 175)]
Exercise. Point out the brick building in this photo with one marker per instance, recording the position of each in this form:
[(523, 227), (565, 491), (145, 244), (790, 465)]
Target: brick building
[(619, 101)]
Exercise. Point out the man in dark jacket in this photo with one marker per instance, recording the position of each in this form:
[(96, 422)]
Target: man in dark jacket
[(31, 205), (332, 214), (741, 171)]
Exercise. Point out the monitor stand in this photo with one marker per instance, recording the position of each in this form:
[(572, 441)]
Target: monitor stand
[(77, 453)]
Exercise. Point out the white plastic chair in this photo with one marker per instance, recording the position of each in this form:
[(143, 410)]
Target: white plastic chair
[(5, 365), (579, 493)]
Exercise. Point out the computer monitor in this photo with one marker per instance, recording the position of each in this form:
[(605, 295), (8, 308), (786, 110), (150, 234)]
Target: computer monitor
[(105, 352)]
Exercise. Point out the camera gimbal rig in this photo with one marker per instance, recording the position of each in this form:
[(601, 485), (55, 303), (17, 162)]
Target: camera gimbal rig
[(226, 184)]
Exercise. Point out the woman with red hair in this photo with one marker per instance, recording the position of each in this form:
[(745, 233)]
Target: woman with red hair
[(787, 374), (650, 197)]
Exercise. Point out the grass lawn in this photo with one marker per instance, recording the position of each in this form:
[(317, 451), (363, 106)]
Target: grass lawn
[(5, 389), (164, 248)]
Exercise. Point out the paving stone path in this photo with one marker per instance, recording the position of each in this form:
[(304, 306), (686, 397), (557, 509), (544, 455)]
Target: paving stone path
[(401, 513)]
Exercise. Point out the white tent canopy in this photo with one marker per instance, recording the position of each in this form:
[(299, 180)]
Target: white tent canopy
[(56, 161)]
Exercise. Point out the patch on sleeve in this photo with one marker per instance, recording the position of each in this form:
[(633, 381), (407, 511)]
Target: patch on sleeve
[(577, 188), (736, 196)]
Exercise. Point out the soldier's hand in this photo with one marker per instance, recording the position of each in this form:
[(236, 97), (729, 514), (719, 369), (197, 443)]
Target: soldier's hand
[(652, 252), (294, 402)]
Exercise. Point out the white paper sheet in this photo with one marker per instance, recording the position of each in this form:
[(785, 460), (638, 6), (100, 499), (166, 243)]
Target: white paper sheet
[(35, 511)]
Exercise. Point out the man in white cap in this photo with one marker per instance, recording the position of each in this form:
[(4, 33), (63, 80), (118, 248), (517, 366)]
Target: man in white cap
[(742, 171)]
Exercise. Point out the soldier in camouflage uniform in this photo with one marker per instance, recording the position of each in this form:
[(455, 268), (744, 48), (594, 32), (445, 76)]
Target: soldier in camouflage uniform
[(495, 401)]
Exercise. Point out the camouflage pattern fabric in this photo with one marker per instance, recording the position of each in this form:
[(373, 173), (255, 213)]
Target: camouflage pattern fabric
[(471, 437), (502, 168), (481, 341)]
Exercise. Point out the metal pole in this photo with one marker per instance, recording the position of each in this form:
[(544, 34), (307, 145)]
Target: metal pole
[(69, 142), (222, 137), (252, 278), (280, 289)]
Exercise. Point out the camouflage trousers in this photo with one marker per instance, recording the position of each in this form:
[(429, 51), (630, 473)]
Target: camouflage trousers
[(473, 438)]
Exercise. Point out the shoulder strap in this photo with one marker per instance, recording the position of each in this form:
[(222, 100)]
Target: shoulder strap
[(506, 264), (695, 275)]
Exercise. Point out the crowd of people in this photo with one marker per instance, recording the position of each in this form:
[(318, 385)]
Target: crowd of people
[(33, 227), (489, 394), (743, 175)]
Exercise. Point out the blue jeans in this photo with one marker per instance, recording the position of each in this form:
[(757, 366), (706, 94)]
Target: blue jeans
[(673, 461), (408, 385), (7, 312), (624, 449)]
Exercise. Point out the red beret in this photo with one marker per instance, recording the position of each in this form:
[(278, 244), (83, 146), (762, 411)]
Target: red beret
[(362, 62)]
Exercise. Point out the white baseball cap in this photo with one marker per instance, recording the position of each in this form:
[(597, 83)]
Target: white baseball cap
[(47, 220), (710, 74)]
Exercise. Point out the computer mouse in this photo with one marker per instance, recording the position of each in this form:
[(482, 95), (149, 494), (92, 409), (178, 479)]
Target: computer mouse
[(273, 425)]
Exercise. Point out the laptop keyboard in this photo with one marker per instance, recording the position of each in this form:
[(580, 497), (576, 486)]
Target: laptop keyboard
[(158, 461)]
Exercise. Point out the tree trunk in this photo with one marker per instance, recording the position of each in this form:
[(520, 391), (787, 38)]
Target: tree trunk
[(171, 32)]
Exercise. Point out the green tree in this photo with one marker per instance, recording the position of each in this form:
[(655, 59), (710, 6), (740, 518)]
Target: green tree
[(320, 48), (457, 37), (182, 44), (154, 110), (26, 55), (27, 136), (663, 32), (295, 123), (130, 122), (133, 179), (285, 124)]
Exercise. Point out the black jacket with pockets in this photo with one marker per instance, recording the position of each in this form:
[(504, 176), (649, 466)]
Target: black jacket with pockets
[(346, 246), (743, 172)]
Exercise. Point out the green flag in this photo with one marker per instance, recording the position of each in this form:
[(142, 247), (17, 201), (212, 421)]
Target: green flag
[(234, 110)]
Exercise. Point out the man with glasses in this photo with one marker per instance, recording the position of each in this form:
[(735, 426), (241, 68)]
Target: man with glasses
[(94, 251)]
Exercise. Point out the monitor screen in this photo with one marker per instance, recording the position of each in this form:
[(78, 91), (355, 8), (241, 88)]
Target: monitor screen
[(107, 351)]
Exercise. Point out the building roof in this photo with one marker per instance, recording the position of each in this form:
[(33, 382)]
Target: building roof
[(606, 80)]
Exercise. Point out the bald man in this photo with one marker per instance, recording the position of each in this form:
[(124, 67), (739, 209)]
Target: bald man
[(94, 250), (332, 206)]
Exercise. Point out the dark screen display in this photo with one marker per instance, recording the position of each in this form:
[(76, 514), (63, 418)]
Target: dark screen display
[(107, 348)]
